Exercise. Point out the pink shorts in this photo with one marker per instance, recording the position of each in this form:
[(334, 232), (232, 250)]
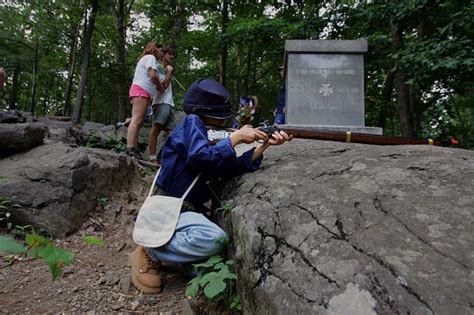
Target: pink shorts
[(136, 91)]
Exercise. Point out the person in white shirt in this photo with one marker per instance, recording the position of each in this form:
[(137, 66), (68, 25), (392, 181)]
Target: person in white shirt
[(163, 104), (144, 87)]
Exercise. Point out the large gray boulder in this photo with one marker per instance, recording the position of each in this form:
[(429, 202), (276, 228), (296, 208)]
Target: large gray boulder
[(62, 131), (12, 116), (20, 137), (100, 130), (340, 228), (55, 186)]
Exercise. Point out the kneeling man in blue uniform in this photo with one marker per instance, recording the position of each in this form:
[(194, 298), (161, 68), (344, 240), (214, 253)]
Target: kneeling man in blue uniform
[(186, 154)]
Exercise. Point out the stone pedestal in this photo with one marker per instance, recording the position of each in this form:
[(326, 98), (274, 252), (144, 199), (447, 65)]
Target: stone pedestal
[(325, 85)]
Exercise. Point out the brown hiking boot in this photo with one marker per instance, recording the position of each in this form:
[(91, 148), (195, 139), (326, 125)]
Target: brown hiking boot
[(144, 275)]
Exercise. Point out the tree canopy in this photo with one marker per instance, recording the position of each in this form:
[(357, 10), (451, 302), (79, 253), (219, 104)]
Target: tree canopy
[(77, 57)]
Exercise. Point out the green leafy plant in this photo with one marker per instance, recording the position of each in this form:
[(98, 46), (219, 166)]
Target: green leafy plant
[(92, 240), (17, 230), (117, 145), (5, 203), (111, 143), (146, 171), (244, 115), (93, 140), (5, 213), (225, 208), (102, 201), (217, 282), (39, 247), (21, 230), (11, 246)]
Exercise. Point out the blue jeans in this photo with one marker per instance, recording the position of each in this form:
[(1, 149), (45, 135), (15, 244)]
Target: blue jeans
[(195, 239)]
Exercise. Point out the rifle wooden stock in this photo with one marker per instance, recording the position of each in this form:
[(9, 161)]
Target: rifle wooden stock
[(362, 138)]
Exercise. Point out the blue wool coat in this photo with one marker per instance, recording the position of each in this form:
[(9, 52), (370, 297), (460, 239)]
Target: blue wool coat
[(187, 152)]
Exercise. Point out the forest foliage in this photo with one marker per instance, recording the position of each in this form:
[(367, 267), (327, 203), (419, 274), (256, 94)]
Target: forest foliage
[(77, 57)]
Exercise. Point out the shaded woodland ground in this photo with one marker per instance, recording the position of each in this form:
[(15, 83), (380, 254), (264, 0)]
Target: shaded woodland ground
[(98, 281)]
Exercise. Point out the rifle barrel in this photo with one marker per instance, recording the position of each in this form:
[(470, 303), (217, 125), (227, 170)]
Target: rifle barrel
[(362, 138)]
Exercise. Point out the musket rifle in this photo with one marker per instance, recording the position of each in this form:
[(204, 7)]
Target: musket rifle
[(342, 136)]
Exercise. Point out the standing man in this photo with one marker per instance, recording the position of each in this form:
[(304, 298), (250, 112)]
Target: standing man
[(163, 104), (281, 108)]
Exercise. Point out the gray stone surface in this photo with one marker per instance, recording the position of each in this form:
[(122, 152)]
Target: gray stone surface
[(20, 137), (344, 228), (63, 131), (341, 46), (325, 84), (103, 131), (12, 116), (55, 186)]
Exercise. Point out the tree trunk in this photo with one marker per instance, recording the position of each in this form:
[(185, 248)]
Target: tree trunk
[(403, 96), (179, 21), (46, 102), (89, 101), (386, 97), (416, 110), (76, 117), (237, 78), (120, 20), (72, 68), (15, 87), (417, 106), (471, 123), (34, 84), (249, 69), (108, 115), (224, 49)]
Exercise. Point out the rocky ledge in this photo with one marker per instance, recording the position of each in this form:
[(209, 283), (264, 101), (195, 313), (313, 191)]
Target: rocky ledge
[(339, 228)]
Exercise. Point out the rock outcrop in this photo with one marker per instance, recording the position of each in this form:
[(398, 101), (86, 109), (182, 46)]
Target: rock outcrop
[(55, 186), (20, 137), (339, 228), (102, 131), (62, 131), (12, 116)]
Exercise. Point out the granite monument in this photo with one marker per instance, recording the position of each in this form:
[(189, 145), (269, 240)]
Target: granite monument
[(325, 85)]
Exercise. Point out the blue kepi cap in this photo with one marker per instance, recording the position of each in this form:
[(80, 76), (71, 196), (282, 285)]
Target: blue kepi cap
[(207, 97)]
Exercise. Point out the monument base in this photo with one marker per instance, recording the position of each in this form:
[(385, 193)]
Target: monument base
[(354, 129)]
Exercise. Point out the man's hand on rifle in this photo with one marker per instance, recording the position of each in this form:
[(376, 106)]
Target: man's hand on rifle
[(247, 134), (279, 137)]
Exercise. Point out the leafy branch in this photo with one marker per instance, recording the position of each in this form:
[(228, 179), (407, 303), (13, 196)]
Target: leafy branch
[(39, 247), (217, 282)]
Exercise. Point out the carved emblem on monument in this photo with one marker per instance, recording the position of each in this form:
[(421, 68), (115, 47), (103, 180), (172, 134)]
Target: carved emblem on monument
[(326, 89)]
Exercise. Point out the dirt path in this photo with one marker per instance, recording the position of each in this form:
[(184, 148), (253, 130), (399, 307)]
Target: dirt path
[(98, 281)]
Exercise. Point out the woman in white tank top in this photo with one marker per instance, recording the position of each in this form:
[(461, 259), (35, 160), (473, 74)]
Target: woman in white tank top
[(145, 86)]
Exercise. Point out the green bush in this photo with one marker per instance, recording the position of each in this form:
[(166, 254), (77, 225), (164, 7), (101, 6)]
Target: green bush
[(217, 282), (118, 145)]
